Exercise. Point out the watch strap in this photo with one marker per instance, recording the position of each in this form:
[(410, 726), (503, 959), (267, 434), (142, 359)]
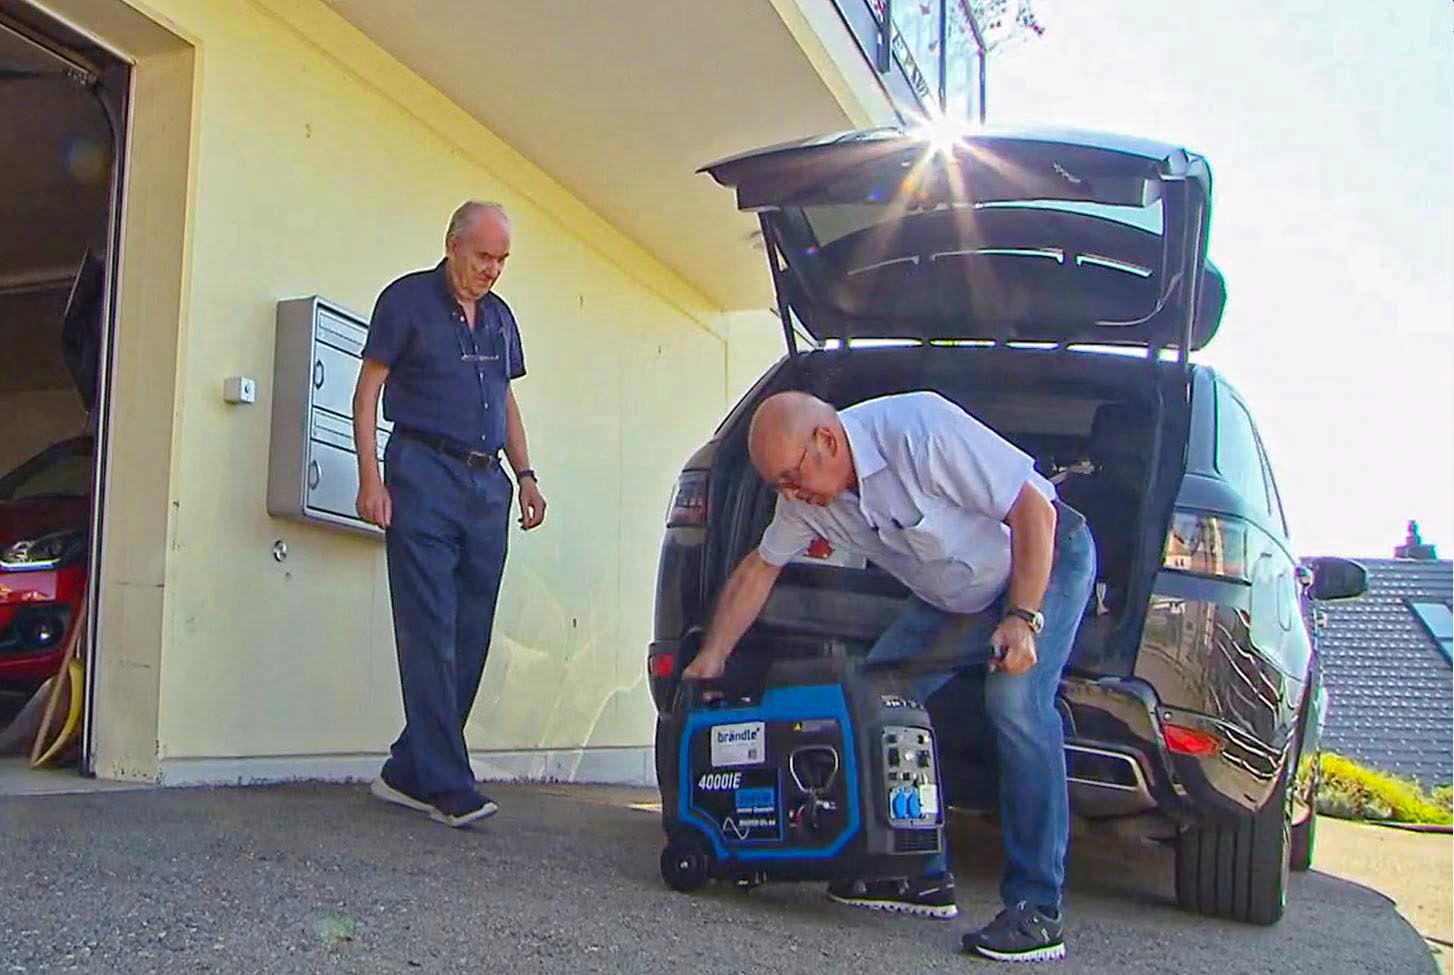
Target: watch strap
[(1036, 621)]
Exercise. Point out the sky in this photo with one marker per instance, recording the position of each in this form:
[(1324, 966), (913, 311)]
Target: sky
[(1329, 127)]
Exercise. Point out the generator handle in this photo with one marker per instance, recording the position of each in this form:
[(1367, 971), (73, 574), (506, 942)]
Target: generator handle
[(693, 694)]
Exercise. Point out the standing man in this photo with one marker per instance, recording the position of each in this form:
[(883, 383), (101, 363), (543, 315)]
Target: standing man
[(444, 349), (992, 560)]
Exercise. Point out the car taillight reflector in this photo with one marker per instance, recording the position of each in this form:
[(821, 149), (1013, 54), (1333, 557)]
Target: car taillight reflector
[(688, 501), (660, 665), (1207, 545), (1189, 741)]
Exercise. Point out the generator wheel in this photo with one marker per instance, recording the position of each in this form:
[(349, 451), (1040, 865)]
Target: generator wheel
[(684, 863)]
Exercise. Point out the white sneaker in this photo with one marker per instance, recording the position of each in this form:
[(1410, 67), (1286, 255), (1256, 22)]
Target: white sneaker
[(462, 809), (382, 790)]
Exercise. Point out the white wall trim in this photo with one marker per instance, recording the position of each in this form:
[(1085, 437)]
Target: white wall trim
[(596, 766)]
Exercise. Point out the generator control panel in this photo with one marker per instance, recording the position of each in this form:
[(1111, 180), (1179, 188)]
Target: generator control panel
[(910, 776)]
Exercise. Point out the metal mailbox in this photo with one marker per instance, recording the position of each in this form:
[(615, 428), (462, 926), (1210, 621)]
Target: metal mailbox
[(312, 466)]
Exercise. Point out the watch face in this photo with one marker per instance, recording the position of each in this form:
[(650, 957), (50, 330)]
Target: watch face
[(1035, 620)]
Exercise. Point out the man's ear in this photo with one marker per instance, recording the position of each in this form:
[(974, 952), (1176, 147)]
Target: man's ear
[(828, 440)]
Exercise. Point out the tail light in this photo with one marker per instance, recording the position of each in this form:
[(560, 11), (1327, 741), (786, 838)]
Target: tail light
[(1207, 545), (1189, 741), (660, 665), (688, 501)]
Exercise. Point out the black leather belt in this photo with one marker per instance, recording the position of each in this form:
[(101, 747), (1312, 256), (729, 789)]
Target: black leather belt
[(471, 458)]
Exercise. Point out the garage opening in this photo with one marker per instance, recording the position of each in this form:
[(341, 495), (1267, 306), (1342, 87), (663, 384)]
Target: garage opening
[(62, 113)]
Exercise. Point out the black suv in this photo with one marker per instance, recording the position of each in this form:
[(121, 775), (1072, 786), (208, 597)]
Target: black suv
[(1052, 284)]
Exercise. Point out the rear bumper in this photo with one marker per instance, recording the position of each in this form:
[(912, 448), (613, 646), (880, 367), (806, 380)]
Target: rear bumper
[(1116, 760), (1118, 763)]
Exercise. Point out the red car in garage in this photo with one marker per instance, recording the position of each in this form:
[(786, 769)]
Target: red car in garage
[(45, 514)]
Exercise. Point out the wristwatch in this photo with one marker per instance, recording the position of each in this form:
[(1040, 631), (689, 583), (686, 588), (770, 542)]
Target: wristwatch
[(527, 472), (1034, 619)]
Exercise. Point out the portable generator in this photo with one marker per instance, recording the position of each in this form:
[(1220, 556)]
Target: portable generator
[(821, 771)]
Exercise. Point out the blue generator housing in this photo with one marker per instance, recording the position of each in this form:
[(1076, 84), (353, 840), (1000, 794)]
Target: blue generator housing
[(822, 772)]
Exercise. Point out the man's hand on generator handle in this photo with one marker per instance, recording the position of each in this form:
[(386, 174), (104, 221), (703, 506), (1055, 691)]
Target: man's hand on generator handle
[(705, 667)]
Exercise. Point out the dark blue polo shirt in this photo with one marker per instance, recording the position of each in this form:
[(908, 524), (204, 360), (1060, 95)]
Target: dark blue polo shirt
[(445, 379)]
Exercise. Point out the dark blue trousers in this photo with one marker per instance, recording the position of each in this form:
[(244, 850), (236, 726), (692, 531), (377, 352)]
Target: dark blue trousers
[(446, 552)]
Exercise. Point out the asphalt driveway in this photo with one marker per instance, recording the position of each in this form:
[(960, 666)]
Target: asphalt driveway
[(315, 878)]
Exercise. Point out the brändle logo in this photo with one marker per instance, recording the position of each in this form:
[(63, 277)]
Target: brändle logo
[(735, 737)]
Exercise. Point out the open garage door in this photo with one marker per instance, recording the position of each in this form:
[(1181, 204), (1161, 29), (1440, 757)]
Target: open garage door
[(63, 108)]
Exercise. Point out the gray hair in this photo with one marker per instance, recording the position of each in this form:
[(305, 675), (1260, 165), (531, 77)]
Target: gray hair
[(464, 218)]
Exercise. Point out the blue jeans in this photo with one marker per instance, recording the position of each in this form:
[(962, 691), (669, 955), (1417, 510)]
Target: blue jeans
[(1029, 737), (446, 553)]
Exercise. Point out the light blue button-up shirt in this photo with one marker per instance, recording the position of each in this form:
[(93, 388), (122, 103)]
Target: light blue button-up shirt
[(934, 487)]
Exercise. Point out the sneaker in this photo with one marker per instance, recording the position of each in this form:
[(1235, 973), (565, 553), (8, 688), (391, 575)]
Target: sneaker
[(461, 808), (1019, 933), (381, 789), (920, 896)]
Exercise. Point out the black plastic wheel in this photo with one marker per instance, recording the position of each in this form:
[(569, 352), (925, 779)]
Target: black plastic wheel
[(684, 864)]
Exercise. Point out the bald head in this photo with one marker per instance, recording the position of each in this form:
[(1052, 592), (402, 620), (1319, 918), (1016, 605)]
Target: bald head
[(797, 443), (783, 425)]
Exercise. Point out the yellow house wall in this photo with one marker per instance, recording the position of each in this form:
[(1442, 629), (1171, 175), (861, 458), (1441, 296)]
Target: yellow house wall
[(319, 165)]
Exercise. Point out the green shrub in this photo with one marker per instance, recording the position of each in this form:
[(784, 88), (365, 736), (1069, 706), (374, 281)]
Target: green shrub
[(1351, 791), (1443, 797)]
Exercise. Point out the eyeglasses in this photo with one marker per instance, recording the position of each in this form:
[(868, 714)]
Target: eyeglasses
[(794, 478), (476, 356)]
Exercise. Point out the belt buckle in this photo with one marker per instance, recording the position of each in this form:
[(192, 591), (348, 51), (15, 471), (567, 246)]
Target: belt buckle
[(476, 458)]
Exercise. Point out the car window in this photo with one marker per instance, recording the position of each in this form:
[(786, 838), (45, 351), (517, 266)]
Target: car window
[(1238, 459), (834, 221), (1279, 517), (66, 474), (1149, 218)]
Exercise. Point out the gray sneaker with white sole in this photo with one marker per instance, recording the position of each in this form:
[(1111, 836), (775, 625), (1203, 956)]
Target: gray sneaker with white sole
[(931, 897), (1019, 933)]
